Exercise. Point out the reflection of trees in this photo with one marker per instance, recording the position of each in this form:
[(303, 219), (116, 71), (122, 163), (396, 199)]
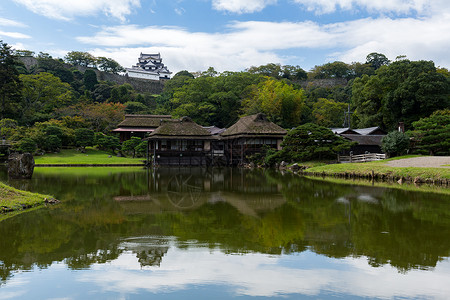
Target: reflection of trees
[(242, 210)]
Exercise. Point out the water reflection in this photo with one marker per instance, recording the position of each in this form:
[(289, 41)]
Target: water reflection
[(184, 226)]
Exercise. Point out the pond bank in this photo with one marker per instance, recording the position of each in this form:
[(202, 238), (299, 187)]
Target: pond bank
[(402, 169), (14, 201)]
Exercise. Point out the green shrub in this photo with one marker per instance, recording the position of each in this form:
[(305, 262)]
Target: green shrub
[(395, 143)]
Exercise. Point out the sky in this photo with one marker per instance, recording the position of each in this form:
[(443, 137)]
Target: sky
[(231, 35)]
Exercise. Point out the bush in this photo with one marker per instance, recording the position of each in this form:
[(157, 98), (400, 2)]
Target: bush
[(395, 143), (26, 145), (309, 142)]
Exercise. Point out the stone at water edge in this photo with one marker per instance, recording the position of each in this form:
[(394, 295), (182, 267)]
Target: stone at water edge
[(20, 166)]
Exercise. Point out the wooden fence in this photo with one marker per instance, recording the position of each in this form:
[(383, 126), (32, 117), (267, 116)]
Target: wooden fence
[(361, 158)]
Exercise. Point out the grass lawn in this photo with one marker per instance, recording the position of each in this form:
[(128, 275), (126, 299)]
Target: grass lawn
[(91, 157), (379, 167), (13, 201)]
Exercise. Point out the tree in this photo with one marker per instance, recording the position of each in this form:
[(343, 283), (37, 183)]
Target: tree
[(279, 101), (107, 142), (24, 53), (376, 60), (130, 145), (337, 69), (309, 142), (132, 107), (8, 127), (26, 145), (395, 143), (329, 113), (432, 134), (403, 91), (43, 93), (90, 79), (10, 83), (78, 58), (84, 137), (109, 65)]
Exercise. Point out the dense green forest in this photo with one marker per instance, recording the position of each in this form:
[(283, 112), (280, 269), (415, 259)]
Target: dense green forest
[(49, 103)]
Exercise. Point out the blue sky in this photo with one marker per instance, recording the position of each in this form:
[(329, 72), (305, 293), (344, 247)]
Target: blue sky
[(231, 35)]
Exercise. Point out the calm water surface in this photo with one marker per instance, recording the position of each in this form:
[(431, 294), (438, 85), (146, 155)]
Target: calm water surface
[(130, 233)]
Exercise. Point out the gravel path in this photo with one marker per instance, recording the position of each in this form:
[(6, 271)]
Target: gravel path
[(422, 162)]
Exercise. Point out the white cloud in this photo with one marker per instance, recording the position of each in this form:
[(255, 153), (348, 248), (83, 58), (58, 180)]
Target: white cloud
[(241, 6), (11, 23), (254, 43), (260, 275), (14, 35), (391, 6), (68, 9)]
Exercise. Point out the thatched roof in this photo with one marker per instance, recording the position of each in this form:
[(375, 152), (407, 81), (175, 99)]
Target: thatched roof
[(254, 125), (143, 121), (184, 128)]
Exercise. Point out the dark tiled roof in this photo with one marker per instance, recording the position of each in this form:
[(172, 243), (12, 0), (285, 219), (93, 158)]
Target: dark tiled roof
[(370, 130), (345, 130), (143, 121), (183, 128), (254, 125), (364, 139)]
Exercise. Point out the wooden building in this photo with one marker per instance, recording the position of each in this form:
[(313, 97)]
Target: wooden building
[(181, 142), (139, 125), (248, 136), (368, 139)]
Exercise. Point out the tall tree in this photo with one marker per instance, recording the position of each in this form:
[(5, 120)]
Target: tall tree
[(109, 65), (376, 60), (10, 83), (281, 103), (79, 58)]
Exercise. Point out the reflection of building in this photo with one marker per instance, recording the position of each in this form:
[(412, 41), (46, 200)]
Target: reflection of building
[(149, 66), (149, 251), (368, 139), (180, 189)]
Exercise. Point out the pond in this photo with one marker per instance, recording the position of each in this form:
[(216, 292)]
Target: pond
[(187, 233)]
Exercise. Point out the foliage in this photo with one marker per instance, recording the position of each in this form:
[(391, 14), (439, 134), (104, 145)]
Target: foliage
[(84, 137), (26, 145), (141, 149), (309, 142), (10, 83), (277, 71), (329, 113), (7, 127), (90, 79), (109, 65), (107, 142), (395, 143), (79, 58), (42, 93), (403, 91), (280, 102), (376, 60), (130, 145), (432, 134), (335, 69)]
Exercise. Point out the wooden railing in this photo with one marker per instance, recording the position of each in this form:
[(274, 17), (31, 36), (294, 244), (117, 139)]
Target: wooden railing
[(361, 158)]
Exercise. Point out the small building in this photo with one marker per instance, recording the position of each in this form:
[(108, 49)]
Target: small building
[(368, 139), (248, 136), (181, 142), (139, 125), (150, 67)]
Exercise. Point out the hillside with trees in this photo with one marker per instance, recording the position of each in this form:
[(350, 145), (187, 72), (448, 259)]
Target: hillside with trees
[(48, 104)]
